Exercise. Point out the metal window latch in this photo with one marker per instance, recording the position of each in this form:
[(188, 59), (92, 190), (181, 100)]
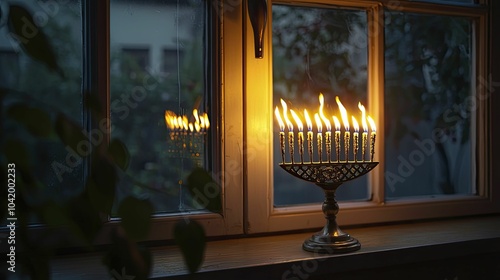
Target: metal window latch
[(257, 10)]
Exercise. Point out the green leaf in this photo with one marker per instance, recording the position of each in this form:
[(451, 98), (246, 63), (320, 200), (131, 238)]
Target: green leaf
[(204, 190), (35, 120), (190, 237), (119, 153), (71, 135), (31, 38), (136, 217)]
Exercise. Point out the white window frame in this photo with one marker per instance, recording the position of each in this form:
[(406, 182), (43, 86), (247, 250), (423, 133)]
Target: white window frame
[(262, 216)]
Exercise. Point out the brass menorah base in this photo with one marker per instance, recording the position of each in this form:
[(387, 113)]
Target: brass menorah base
[(329, 176)]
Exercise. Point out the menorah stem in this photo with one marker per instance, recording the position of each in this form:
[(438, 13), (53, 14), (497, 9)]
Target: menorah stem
[(331, 209), (331, 239)]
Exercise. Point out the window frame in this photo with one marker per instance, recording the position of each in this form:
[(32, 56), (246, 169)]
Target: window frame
[(227, 158), (262, 216)]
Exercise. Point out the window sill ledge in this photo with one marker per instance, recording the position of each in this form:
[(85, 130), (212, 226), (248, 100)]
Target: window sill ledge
[(276, 257)]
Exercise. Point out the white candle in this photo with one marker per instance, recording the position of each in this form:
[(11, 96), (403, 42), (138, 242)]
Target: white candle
[(365, 130), (372, 137), (328, 136), (319, 137), (290, 129), (282, 133), (300, 141), (309, 136), (337, 137), (347, 133), (355, 138)]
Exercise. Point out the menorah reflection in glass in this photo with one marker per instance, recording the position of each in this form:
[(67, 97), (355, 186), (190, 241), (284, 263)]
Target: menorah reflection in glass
[(187, 136), (332, 168)]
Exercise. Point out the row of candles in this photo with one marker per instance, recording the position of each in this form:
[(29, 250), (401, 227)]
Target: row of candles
[(320, 119), (182, 124), (186, 134)]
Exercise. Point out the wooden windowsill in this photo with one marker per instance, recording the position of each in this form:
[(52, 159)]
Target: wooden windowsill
[(281, 256)]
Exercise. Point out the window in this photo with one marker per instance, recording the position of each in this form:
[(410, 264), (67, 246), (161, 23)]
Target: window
[(170, 60), (378, 53), (424, 64), (161, 74), (44, 78), (134, 61), (317, 50)]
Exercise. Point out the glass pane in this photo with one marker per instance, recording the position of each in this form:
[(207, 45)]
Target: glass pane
[(41, 68), (157, 64), (428, 112), (317, 50)]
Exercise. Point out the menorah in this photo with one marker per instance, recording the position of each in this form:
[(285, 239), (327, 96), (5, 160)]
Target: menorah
[(327, 172), (187, 137)]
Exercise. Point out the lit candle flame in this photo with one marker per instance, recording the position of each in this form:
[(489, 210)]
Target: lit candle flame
[(372, 124), (297, 120), (207, 121), (195, 114), (343, 113), (285, 114), (308, 120), (185, 122), (355, 124), (278, 117), (321, 114), (337, 123), (181, 123), (318, 123), (363, 117), (170, 120)]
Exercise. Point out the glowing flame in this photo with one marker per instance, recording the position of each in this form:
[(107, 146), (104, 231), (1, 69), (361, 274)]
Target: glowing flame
[(321, 114), (181, 123), (343, 113), (355, 124), (185, 122), (285, 114), (308, 121), (297, 120), (318, 123), (207, 121), (195, 114), (372, 124), (170, 120), (363, 117), (278, 117), (337, 123)]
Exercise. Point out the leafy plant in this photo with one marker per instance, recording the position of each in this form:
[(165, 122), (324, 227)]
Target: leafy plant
[(79, 215)]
